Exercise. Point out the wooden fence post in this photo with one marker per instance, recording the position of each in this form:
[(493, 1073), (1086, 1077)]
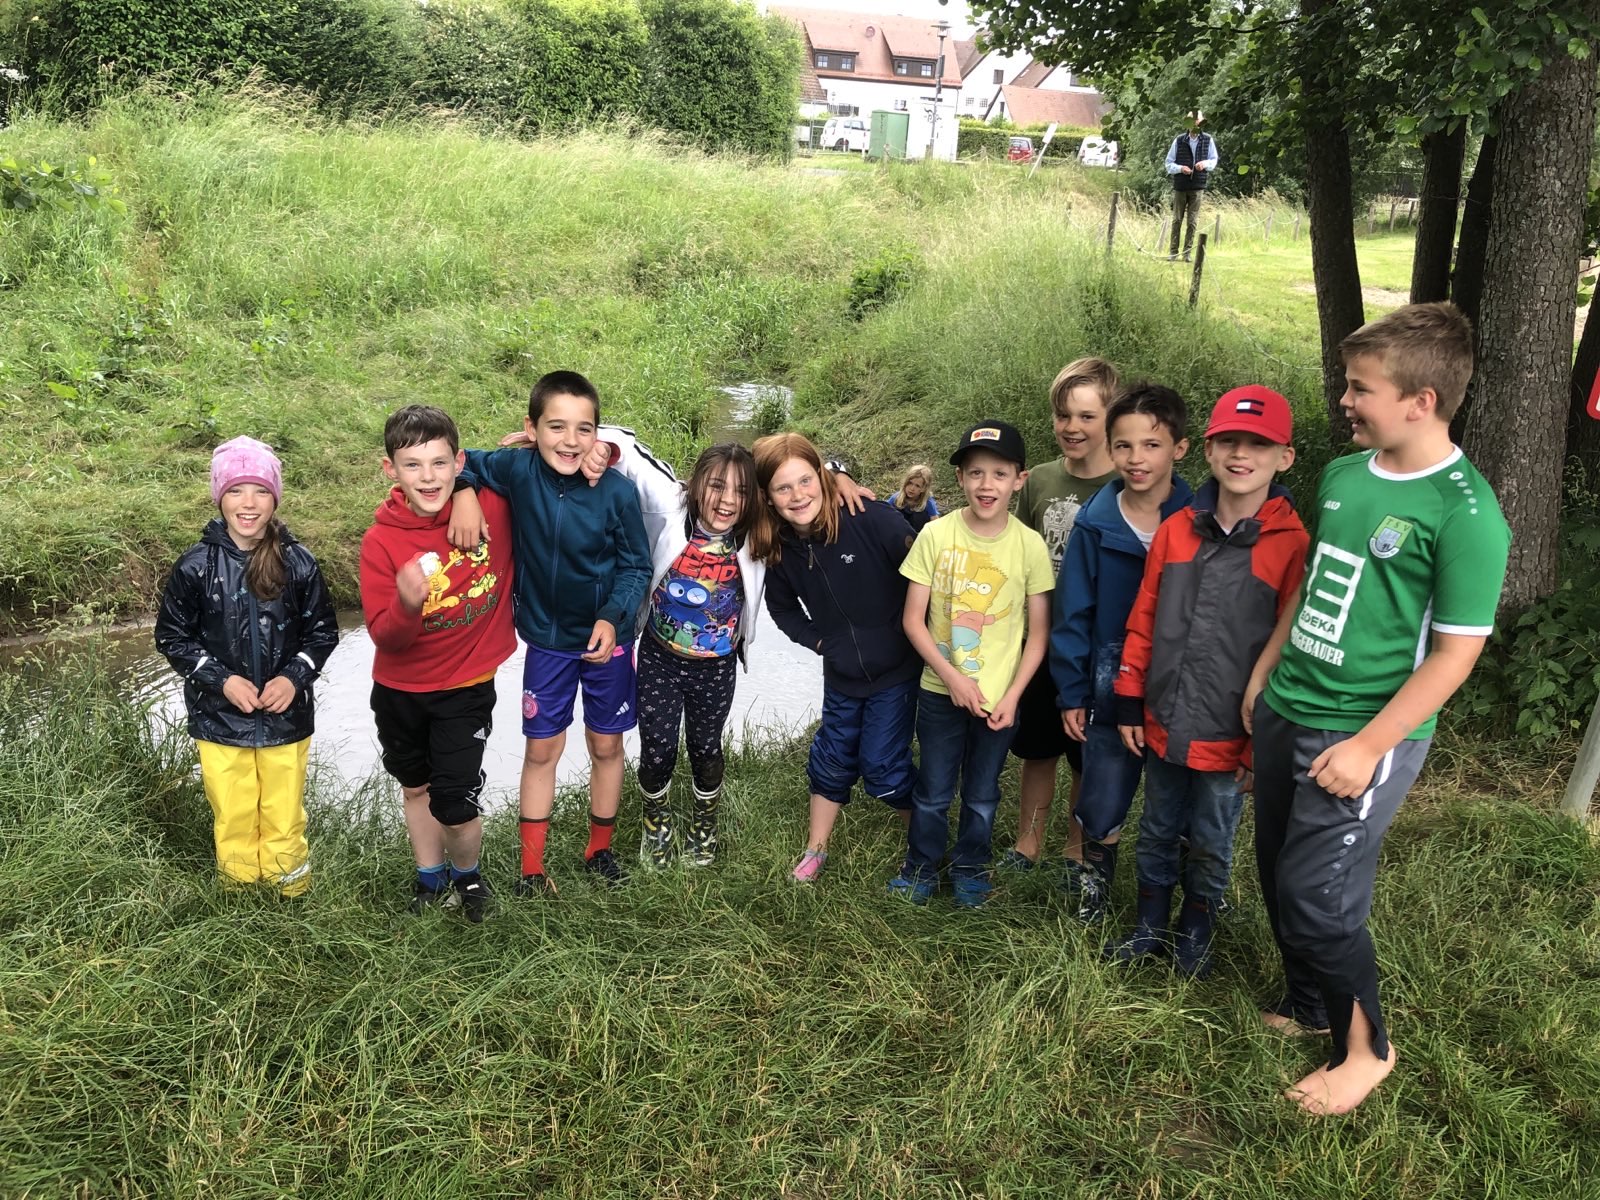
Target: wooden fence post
[(1216, 229), (1297, 227), (1268, 237), (1111, 225), (1393, 204), (1585, 772), (1161, 235), (1199, 266)]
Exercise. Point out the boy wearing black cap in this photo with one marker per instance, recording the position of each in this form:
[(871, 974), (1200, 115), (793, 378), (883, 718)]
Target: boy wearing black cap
[(1217, 577), (977, 610)]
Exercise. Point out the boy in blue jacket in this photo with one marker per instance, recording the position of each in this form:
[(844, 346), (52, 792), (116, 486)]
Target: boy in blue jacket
[(582, 565), (1100, 576)]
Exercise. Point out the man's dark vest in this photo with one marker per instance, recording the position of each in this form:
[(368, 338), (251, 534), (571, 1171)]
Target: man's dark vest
[(1187, 158)]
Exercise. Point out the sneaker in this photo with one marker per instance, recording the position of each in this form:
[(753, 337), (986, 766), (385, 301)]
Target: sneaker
[(918, 890), (971, 891), (535, 885), (604, 864), (1015, 860), (655, 844), (809, 866), (475, 896), (424, 897)]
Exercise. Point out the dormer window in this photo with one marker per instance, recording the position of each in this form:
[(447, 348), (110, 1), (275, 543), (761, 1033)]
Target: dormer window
[(830, 60), (914, 68)]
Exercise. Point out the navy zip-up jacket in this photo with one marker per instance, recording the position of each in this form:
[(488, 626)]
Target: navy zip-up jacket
[(1101, 570), (581, 552), (854, 600)]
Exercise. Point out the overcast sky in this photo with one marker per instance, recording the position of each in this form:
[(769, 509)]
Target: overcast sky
[(955, 12)]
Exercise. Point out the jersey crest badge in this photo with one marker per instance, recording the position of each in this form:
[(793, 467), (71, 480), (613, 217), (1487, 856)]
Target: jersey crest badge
[(1390, 535)]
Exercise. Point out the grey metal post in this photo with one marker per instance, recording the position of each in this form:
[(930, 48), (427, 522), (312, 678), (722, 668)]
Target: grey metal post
[(1111, 225), (1199, 266), (1585, 772)]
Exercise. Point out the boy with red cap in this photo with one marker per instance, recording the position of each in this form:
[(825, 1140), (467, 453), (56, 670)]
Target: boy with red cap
[(1217, 577)]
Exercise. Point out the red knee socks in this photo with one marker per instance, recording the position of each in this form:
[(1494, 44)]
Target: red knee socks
[(533, 831), (599, 834)]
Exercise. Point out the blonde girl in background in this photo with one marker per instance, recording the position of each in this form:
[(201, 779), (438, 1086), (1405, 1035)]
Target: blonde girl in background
[(915, 497)]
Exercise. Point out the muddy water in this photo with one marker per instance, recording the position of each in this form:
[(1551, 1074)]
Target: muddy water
[(780, 693)]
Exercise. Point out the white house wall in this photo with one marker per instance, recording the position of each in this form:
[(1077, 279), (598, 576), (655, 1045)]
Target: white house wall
[(978, 88), (868, 95)]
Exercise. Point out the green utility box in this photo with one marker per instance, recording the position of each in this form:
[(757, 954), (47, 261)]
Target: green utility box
[(889, 133)]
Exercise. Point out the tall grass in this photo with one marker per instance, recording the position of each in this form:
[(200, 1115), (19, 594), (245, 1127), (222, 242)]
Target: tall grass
[(724, 1033)]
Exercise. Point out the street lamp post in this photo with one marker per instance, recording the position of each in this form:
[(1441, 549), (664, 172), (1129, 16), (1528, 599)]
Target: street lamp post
[(943, 30)]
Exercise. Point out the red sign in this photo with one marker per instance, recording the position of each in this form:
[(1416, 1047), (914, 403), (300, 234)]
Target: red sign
[(1594, 398)]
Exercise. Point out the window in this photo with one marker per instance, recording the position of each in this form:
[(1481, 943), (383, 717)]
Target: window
[(902, 106), (999, 75), (972, 101), (902, 67), (926, 69), (847, 62), (823, 62), (844, 110)]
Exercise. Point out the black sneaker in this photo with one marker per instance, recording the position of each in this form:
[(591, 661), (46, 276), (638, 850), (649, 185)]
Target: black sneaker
[(535, 885), (475, 896), (604, 864), (424, 897)]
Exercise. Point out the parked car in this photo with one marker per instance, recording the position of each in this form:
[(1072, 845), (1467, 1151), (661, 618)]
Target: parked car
[(1020, 149), (1097, 152), (846, 133)]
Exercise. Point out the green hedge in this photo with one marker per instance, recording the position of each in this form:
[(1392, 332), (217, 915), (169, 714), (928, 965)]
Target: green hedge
[(977, 139)]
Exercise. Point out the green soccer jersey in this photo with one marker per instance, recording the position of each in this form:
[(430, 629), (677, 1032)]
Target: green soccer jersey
[(1395, 557)]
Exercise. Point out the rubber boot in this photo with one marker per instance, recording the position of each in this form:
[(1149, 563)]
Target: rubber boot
[(700, 843), (655, 845), (1099, 869), (1151, 932), (1191, 947)]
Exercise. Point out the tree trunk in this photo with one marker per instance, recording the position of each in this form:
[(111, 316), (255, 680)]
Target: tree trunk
[(1466, 283), (1334, 269), (1436, 217), (1583, 431), (1518, 432)]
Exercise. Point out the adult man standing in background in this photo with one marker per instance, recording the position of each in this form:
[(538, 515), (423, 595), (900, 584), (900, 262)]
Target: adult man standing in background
[(1190, 162)]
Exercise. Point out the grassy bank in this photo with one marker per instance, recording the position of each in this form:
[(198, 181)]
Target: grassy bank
[(725, 1033), (295, 281)]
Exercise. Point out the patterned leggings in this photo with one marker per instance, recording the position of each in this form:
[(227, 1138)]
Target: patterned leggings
[(696, 692)]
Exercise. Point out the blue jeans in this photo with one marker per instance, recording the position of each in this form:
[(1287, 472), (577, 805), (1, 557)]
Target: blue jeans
[(1205, 805), (1110, 773), (865, 737), (957, 748)]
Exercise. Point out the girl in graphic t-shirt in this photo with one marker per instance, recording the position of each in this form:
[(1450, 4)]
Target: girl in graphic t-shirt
[(701, 609)]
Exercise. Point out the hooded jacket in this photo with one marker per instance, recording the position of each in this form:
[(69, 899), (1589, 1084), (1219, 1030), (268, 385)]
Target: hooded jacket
[(854, 600), (1101, 569), (464, 629), (581, 552), (1206, 607), (211, 626)]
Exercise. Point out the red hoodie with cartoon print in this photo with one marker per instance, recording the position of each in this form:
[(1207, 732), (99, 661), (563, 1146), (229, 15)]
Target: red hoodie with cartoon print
[(465, 629)]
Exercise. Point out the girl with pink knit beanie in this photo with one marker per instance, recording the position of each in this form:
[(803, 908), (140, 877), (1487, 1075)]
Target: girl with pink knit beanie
[(247, 622)]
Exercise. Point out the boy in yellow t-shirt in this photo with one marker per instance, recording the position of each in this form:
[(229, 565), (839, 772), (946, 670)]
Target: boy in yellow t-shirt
[(978, 611)]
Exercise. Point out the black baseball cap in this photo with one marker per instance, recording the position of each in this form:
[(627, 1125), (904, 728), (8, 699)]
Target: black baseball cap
[(997, 438)]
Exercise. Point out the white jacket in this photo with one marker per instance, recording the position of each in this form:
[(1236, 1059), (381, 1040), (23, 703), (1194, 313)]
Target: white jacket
[(661, 498)]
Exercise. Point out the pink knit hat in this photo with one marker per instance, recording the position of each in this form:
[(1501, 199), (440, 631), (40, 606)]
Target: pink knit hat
[(245, 460)]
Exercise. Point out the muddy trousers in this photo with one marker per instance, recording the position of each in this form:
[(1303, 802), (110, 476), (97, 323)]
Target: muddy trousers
[(258, 807), (1317, 855)]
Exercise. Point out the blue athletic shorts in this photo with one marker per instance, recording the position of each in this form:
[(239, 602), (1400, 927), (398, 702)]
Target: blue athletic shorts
[(550, 682)]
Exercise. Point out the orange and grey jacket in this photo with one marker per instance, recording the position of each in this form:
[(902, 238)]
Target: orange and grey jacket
[(1205, 609)]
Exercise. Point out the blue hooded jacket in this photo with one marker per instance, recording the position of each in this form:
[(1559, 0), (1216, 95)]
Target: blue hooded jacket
[(1101, 570), (582, 554)]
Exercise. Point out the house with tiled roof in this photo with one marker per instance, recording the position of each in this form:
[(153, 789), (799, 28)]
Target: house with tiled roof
[(865, 62), (1040, 93)]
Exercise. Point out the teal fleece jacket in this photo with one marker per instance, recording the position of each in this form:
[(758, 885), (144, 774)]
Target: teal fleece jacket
[(581, 552)]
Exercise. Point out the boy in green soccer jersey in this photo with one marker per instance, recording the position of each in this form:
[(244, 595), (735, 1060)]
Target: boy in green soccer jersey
[(1399, 596)]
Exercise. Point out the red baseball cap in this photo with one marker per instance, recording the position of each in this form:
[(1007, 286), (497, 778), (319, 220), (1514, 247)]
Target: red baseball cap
[(1253, 409)]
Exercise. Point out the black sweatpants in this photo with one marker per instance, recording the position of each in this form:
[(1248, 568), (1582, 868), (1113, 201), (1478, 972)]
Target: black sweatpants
[(696, 692), (1317, 855)]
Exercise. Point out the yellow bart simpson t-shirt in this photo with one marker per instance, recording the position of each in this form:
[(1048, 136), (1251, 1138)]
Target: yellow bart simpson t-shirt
[(978, 601)]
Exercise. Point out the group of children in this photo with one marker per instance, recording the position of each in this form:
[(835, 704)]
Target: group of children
[(1187, 639)]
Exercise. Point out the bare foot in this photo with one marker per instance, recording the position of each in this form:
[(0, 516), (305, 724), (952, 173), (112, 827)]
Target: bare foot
[(1330, 1091), (1288, 1026)]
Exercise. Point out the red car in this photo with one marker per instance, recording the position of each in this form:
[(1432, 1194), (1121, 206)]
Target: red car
[(1020, 149)]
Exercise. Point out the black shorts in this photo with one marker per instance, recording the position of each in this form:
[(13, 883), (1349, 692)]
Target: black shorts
[(1039, 731), (434, 738)]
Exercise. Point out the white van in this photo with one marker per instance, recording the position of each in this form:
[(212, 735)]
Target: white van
[(845, 133), (1097, 152)]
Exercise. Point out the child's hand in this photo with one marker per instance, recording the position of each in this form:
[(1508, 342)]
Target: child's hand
[(1072, 722), (1247, 710), (411, 581), (277, 695), (1005, 713), (241, 693), (852, 496), (596, 462), (1133, 738), (965, 693), (1345, 769), (467, 527), (602, 641), (518, 438), (1245, 778)]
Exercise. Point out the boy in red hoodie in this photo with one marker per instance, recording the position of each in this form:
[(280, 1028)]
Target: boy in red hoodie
[(1217, 577), (441, 624)]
